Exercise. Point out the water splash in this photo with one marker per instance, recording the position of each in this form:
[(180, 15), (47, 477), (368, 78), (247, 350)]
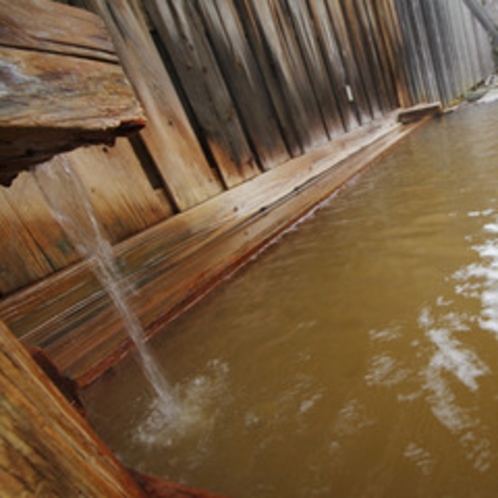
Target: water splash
[(71, 207)]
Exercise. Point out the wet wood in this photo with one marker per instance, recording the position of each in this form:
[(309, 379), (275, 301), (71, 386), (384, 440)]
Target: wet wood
[(123, 200), (60, 88), (46, 448), (66, 386), (69, 314), (154, 487), (416, 113), (22, 263), (273, 80), (36, 246)]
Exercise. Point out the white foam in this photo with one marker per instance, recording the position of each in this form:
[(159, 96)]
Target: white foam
[(490, 97), (452, 356), (384, 371), (422, 458), (491, 228), (199, 400)]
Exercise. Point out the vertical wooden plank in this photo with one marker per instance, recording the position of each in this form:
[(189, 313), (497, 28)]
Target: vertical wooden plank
[(482, 44), (436, 42), (169, 136), (244, 80), (276, 48), (464, 46), (31, 209), (472, 45), (266, 65), (188, 48), (414, 68), (122, 198), (369, 41), (355, 86), (22, 260), (428, 71), (312, 56), (333, 62), (359, 46), (450, 65), (381, 50), (451, 12)]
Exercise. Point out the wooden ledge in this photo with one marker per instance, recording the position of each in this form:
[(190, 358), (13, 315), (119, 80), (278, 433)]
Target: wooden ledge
[(418, 112), (173, 263)]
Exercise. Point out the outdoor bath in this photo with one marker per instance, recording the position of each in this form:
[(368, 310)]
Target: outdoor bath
[(268, 209), (356, 356)]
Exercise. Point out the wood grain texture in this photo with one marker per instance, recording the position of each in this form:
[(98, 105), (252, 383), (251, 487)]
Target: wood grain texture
[(273, 39), (34, 243), (357, 93), (122, 197), (70, 316), (37, 25), (169, 136), (244, 80), (60, 88), (332, 54), (182, 33), (46, 448)]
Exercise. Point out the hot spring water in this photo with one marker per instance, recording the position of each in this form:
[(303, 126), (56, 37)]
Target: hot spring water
[(358, 357)]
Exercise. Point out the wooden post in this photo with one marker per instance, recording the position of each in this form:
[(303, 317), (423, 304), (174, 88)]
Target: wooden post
[(46, 448)]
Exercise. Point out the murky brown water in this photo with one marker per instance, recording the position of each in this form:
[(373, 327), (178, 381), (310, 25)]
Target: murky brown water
[(357, 357)]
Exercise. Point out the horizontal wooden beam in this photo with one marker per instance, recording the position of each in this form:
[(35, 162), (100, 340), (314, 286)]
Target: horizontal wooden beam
[(174, 262), (60, 84)]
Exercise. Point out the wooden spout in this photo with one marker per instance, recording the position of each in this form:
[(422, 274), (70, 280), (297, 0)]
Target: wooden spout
[(61, 86)]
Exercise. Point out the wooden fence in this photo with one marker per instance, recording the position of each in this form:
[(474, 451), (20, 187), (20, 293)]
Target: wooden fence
[(233, 90)]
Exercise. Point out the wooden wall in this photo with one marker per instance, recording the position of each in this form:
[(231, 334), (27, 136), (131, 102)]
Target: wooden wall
[(233, 90)]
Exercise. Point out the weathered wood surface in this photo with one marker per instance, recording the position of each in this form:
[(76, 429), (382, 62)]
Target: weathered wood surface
[(244, 80), (46, 447), (69, 314), (42, 25), (184, 39), (277, 51), (314, 64), (25, 227), (122, 198), (331, 51), (59, 88), (355, 87), (169, 136), (420, 111)]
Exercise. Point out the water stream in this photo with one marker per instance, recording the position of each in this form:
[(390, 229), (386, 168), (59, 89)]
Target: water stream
[(358, 356), (72, 208)]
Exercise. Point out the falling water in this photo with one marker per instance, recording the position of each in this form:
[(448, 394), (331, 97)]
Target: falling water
[(71, 207)]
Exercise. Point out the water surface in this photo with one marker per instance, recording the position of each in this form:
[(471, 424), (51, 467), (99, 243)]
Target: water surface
[(357, 357)]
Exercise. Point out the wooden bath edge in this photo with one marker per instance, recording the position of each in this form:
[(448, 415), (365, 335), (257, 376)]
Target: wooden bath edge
[(173, 264)]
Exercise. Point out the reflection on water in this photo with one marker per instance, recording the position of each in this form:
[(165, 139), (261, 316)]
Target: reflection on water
[(357, 357)]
